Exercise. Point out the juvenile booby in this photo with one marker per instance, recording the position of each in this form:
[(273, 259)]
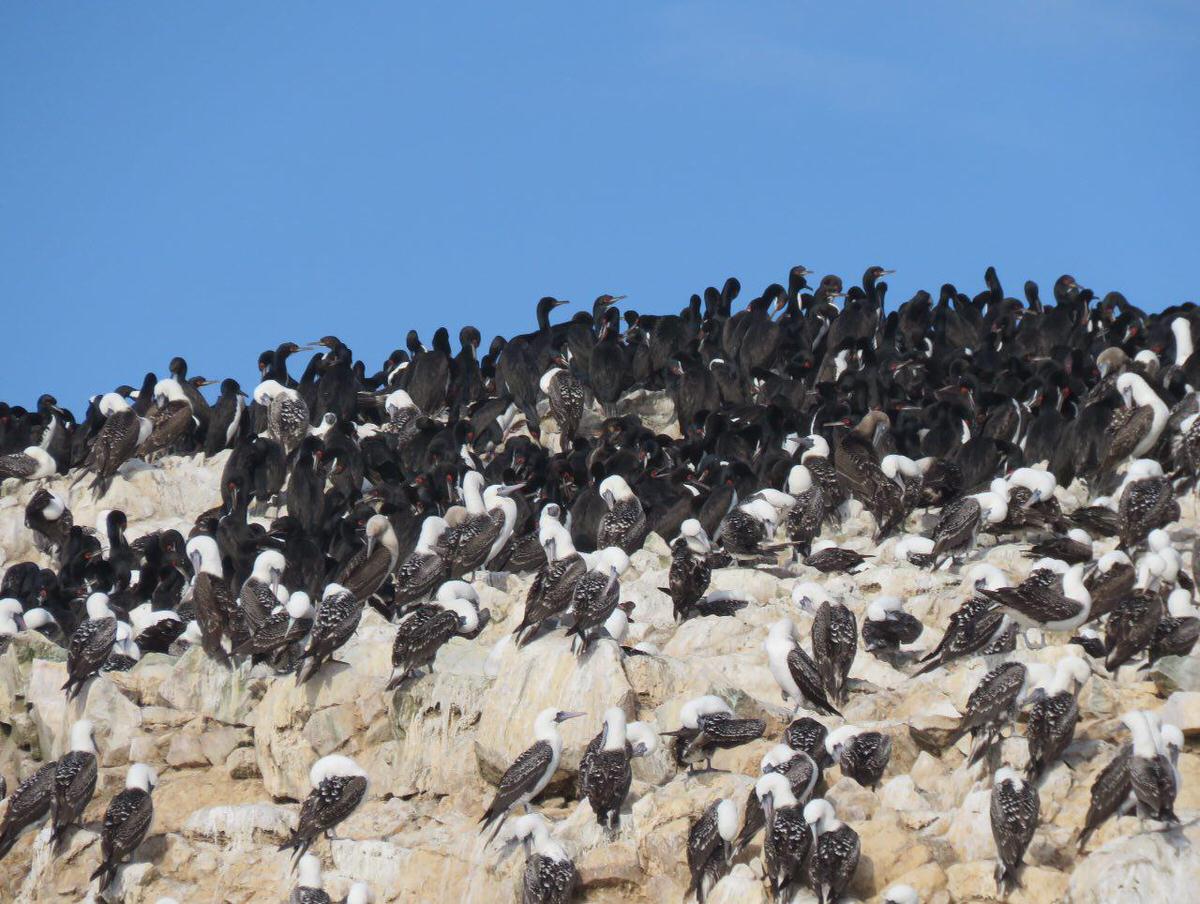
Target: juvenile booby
[(709, 846), (604, 772), (74, 780), (707, 724), (126, 822), (1014, 815), (1052, 718), (887, 625), (530, 772), (799, 679), (309, 883), (624, 524), (550, 875), (834, 645), (338, 615), (338, 787), (91, 644), (861, 755), (833, 858)]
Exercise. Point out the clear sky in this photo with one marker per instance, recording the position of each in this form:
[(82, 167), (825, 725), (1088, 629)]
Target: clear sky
[(210, 179)]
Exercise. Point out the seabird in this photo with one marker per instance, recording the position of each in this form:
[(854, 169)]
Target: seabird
[(30, 804), (861, 755), (553, 586), (830, 559), (1110, 582), (338, 615), (624, 524), (1032, 604), (604, 771), (115, 444), (74, 780), (834, 639), (425, 569), (833, 857), (960, 521), (309, 884), (425, 630), (47, 515), (1131, 626), (1146, 502), (282, 629), (808, 513), (530, 772), (807, 735), (258, 597), (709, 846), (901, 894), (90, 645), (789, 837), (1175, 635), (364, 572), (1052, 718), (338, 787), (126, 822), (800, 680), (211, 597), (287, 413), (550, 875), (596, 595), (35, 463), (1152, 776), (403, 416), (707, 724), (992, 706), (802, 774), (856, 461), (690, 571), (887, 625), (565, 393), (360, 893), (1014, 814)]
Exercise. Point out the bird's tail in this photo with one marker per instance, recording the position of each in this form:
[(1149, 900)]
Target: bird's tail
[(106, 872)]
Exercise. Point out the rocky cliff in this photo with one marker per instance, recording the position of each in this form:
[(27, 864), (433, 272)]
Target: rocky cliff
[(233, 747)]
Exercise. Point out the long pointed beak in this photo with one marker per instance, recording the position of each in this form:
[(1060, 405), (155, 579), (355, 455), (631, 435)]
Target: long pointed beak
[(563, 717)]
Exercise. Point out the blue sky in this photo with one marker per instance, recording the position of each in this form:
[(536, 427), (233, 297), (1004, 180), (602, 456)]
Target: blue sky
[(209, 179)]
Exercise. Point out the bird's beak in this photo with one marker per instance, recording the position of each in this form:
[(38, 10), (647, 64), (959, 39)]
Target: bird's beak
[(563, 717), (768, 805), (887, 272), (511, 489)]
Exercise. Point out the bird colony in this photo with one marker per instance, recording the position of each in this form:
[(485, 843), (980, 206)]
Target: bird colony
[(807, 599)]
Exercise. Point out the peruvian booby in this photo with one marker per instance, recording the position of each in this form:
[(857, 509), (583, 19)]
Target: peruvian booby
[(34, 463), (1152, 775), (604, 771), (827, 558), (419, 575), (993, 705), (364, 572), (337, 618), (861, 755), (287, 413), (258, 596), (834, 638), (800, 680), (126, 822), (802, 774), (30, 804), (1131, 626), (74, 780), (1175, 635), (1014, 816), (309, 883), (530, 772), (550, 875), (1035, 605), (707, 724), (596, 594), (91, 644), (624, 524), (425, 630), (690, 572), (338, 787), (212, 600), (833, 858), (808, 513), (887, 625), (788, 838), (709, 846), (553, 586), (282, 629), (566, 395), (1052, 717)]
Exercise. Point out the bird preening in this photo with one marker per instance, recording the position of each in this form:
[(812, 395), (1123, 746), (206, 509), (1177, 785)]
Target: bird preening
[(736, 565)]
